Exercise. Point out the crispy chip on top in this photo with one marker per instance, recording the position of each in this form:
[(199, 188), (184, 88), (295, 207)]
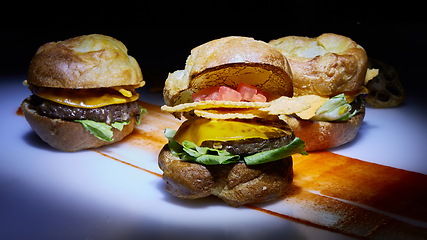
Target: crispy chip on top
[(370, 74), (236, 113), (315, 103), (285, 105), (303, 106), (210, 104)]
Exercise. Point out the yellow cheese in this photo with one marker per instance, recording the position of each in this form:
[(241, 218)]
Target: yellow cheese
[(200, 130), (123, 91), (88, 98), (350, 96)]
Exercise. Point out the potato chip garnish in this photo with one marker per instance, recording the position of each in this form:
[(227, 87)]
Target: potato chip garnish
[(370, 74), (285, 105), (227, 113), (315, 103), (186, 107)]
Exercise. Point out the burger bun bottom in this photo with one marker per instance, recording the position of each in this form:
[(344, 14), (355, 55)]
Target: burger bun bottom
[(65, 135), (237, 184)]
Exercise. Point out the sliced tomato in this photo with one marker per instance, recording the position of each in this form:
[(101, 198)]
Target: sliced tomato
[(210, 93), (229, 94)]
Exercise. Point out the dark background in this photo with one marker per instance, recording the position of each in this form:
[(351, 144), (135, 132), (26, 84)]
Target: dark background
[(161, 36)]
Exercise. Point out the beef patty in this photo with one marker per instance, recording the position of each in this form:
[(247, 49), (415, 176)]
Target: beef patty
[(108, 114), (249, 146)]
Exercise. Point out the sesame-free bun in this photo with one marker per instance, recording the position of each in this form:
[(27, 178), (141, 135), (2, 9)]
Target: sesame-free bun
[(319, 135), (89, 61), (66, 135), (237, 184), (327, 65), (227, 62)]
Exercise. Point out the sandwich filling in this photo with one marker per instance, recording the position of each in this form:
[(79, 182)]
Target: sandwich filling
[(212, 142), (86, 98), (98, 110)]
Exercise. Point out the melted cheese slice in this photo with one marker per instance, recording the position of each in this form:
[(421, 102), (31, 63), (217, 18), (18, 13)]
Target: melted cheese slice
[(350, 96), (200, 130), (88, 98)]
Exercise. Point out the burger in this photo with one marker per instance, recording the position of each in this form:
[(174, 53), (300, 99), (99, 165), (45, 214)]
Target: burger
[(83, 92), (331, 72), (230, 145)]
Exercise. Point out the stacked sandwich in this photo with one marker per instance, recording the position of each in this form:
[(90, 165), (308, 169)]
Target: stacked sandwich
[(230, 146), (333, 71), (83, 92)]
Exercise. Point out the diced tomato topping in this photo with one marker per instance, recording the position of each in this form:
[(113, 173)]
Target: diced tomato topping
[(247, 91), (265, 94), (244, 92), (229, 94), (258, 98), (210, 93)]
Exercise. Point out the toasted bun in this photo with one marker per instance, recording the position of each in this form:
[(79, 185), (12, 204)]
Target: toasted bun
[(319, 135), (236, 184), (65, 135), (91, 61), (227, 62), (327, 65)]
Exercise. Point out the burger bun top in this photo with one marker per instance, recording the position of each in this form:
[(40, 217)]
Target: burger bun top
[(326, 66), (89, 61), (227, 62)]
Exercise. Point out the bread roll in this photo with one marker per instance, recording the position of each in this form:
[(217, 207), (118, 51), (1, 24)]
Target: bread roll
[(237, 184), (90, 61), (229, 61), (327, 65)]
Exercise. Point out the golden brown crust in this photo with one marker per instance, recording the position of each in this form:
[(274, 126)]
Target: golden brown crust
[(327, 65), (230, 50), (65, 135), (236, 184), (319, 135), (89, 61), (223, 62)]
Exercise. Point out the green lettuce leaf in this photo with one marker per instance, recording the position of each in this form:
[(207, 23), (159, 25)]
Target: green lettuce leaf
[(208, 156), (335, 109), (100, 130), (296, 146), (189, 151), (119, 125), (174, 146), (103, 131)]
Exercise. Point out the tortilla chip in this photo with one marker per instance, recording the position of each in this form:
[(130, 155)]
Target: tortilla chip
[(315, 103), (186, 107), (304, 106), (370, 74), (227, 113), (285, 105)]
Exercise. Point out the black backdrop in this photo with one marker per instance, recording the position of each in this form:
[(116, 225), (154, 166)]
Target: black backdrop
[(161, 38)]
